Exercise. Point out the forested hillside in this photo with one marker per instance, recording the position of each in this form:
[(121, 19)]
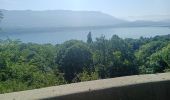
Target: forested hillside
[(29, 65)]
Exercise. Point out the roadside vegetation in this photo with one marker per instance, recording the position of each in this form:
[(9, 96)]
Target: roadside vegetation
[(26, 66)]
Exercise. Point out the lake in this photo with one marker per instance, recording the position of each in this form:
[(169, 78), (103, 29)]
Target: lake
[(60, 36)]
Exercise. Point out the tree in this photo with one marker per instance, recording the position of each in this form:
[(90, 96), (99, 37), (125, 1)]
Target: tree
[(89, 38), (145, 52), (121, 58), (29, 66), (159, 61), (113, 57), (71, 59), (88, 76), (101, 54), (22, 66), (1, 15)]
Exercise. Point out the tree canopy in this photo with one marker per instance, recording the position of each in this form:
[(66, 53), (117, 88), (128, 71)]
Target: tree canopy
[(28, 65)]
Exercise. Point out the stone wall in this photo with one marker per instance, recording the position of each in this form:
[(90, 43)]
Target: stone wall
[(138, 87)]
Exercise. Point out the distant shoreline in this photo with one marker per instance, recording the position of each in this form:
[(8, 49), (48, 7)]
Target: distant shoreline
[(54, 29)]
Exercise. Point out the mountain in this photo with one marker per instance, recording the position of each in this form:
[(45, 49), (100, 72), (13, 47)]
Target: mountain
[(143, 23), (22, 21), (56, 18)]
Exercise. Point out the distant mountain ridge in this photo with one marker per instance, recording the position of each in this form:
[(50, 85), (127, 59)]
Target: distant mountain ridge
[(56, 18), (28, 20), (143, 23)]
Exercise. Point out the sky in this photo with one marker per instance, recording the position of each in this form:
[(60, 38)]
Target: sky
[(124, 9)]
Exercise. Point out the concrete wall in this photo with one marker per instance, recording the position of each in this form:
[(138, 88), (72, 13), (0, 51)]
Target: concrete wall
[(138, 87)]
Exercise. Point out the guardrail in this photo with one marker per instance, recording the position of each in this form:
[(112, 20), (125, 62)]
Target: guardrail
[(138, 87)]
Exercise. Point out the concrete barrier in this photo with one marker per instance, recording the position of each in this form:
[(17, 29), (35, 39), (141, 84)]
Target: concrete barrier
[(138, 87)]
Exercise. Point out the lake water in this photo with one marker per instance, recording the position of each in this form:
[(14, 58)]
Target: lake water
[(81, 34)]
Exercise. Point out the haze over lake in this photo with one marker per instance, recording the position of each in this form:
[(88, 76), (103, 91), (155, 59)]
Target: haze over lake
[(65, 34), (58, 26)]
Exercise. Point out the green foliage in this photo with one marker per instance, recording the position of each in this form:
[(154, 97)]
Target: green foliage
[(28, 66), (113, 57), (89, 38), (159, 61), (101, 50), (1, 15), (149, 57), (86, 76), (71, 59)]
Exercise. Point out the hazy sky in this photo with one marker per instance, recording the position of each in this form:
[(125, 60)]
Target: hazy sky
[(126, 9)]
